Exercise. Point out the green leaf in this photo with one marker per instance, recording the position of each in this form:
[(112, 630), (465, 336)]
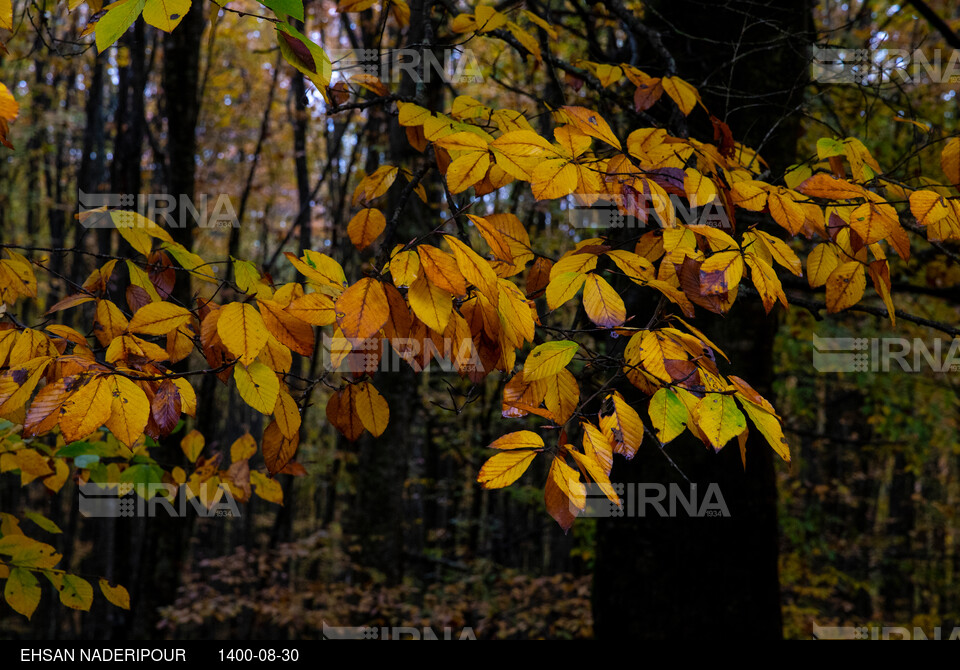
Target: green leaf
[(115, 22), (668, 414), (285, 8), (141, 476), (81, 448), (22, 591), (76, 592), (43, 522), (827, 148), (305, 56)]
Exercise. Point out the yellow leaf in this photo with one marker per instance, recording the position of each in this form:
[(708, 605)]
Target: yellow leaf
[(568, 481), (574, 262), (786, 211), (258, 386), (158, 318), (192, 445), (110, 322), (821, 262), (316, 309), (594, 470), (721, 273), (766, 282), (268, 489), (188, 397), (463, 141), (278, 449), (467, 170), (376, 183), (165, 14), (781, 253), (87, 409), (441, 268), (769, 427), (288, 329), (362, 309), (553, 178), (404, 268), (287, 415), (928, 207), (845, 286), (372, 408), (129, 410), (719, 419), (596, 446), (18, 383), (504, 468), (682, 93), (431, 304), (626, 428), (950, 160), (591, 123), (562, 396), (603, 305), (474, 268), (117, 595), (365, 227), (548, 359), (242, 330), (521, 439), (563, 287), (244, 447), (700, 188), (75, 592), (320, 269)]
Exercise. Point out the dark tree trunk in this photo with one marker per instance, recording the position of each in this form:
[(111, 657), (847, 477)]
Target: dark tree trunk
[(713, 577)]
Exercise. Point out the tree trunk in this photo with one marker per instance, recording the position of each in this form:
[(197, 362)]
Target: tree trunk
[(683, 575)]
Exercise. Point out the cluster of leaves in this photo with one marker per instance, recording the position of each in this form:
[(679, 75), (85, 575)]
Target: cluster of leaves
[(465, 286), (23, 559)]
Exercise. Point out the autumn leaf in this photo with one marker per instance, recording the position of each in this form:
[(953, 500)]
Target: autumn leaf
[(548, 359), (365, 227), (504, 468), (371, 407), (623, 427), (278, 449), (603, 304), (521, 439), (430, 303), (192, 445), (117, 595), (258, 386), (719, 419), (129, 410), (266, 488), (362, 309), (845, 286), (87, 409), (342, 413), (242, 331), (22, 591), (668, 415)]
